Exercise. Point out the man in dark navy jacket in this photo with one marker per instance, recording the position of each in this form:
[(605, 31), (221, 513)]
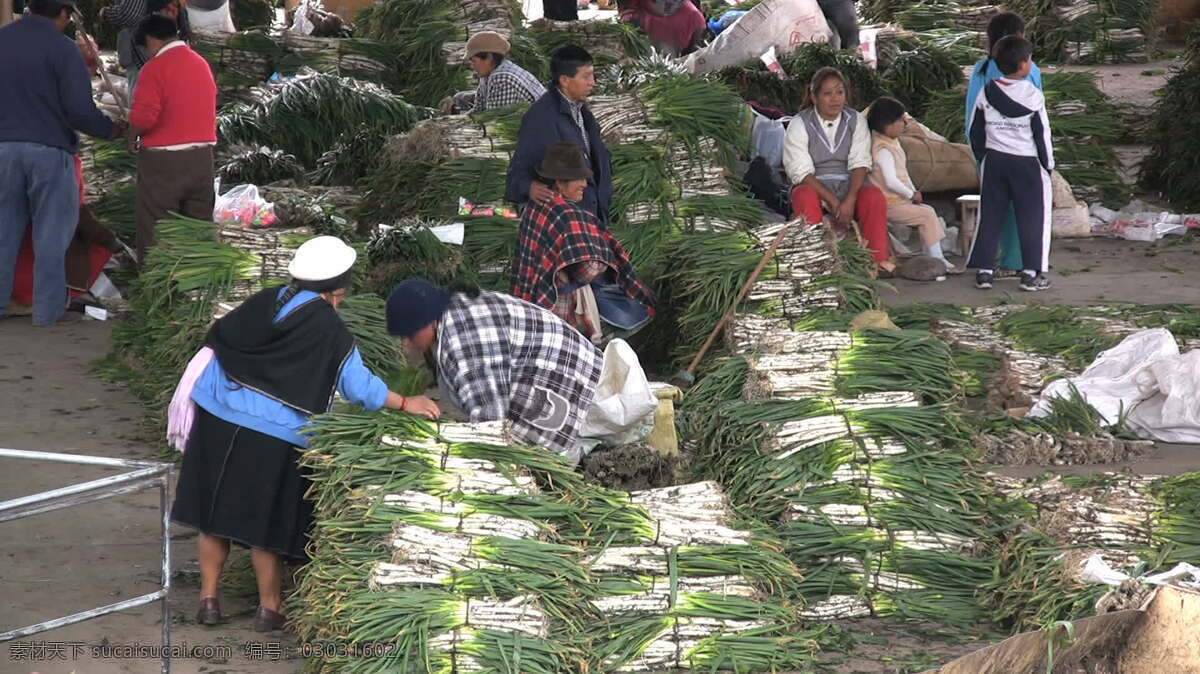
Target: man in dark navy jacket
[(45, 96), (562, 114)]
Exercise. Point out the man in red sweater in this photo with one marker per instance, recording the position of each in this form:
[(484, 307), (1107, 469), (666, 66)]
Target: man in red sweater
[(174, 114)]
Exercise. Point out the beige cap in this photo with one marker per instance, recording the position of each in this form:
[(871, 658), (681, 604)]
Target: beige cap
[(487, 41)]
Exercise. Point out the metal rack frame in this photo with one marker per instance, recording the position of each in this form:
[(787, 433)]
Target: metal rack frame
[(144, 475)]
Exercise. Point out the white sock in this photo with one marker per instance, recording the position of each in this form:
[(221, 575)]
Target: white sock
[(1029, 271), (935, 250), (985, 271)]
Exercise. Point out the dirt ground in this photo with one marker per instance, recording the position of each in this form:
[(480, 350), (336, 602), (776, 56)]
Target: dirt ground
[(79, 558)]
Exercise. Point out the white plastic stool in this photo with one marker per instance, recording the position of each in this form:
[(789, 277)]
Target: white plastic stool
[(968, 216)]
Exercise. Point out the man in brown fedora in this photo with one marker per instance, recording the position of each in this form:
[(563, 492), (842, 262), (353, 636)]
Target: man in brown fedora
[(501, 82)]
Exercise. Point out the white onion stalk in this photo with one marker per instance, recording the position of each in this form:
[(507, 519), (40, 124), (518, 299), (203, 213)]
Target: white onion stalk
[(485, 432), (837, 607), (419, 501), (886, 581), (836, 513), (923, 540), (387, 574), (632, 559)]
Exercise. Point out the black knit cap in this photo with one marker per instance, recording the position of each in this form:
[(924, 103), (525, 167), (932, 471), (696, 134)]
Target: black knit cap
[(414, 304)]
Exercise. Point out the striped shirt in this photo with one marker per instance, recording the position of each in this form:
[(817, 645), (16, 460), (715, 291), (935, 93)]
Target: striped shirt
[(576, 108)]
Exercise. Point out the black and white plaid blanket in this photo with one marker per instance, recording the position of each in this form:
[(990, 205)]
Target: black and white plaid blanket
[(503, 358)]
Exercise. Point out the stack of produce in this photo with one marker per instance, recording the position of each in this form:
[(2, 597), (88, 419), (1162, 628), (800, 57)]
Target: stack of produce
[(110, 173), (1177, 523), (609, 42), (1089, 31), (883, 518), (427, 39), (307, 115), (451, 550), (930, 14), (1084, 125), (238, 60), (1174, 160), (1109, 514), (1026, 357), (1071, 433), (253, 14), (358, 58), (874, 494), (323, 210), (499, 16), (690, 592), (409, 248), (259, 166), (274, 246)]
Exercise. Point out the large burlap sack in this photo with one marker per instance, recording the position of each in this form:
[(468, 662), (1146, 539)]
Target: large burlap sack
[(782, 24), (938, 166), (1061, 191)]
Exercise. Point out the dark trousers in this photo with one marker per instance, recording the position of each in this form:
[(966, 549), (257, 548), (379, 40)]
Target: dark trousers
[(841, 14), (561, 10), (172, 181), (1023, 183)]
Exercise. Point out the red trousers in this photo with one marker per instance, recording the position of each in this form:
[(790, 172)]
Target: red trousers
[(870, 210)]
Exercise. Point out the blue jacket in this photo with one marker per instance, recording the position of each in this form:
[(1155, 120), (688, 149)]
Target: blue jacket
[(547, 121), (45, 89), (980, 78), (225, 399)]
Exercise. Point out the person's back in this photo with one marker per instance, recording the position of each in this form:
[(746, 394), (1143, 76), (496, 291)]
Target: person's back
[(45, 87), (178, 89), (1011, 118), (1010, 136)]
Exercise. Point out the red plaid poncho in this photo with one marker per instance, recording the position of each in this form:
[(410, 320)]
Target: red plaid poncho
[(558, 234)]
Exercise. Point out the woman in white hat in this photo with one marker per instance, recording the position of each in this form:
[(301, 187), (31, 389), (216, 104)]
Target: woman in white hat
[(502, 83), (276, 361)]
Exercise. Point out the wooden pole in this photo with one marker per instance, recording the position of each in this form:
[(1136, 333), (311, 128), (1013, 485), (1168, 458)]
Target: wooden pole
[(6, 11)]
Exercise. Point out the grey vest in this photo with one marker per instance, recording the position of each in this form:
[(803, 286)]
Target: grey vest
[(830, 161)]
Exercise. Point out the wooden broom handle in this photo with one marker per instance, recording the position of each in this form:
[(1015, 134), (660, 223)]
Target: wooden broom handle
[(87, 39), (712, 336)]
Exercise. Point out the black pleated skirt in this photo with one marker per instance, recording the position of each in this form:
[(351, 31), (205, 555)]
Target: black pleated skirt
[(245, 486)]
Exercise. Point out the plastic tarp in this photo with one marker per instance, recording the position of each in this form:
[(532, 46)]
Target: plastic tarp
[(1146, 379), (782, 24)]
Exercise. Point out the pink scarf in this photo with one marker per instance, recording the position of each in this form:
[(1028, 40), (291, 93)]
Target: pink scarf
[(182, 411)]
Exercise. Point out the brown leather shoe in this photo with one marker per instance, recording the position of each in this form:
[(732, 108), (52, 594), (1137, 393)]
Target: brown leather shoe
[(210, 611), (267, 620)]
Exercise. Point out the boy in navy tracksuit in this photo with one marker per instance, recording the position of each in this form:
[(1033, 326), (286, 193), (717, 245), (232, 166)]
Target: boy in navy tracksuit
[(1010, 135)]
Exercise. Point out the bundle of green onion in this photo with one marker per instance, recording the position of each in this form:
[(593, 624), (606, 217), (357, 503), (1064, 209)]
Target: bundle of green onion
[(308, 114)]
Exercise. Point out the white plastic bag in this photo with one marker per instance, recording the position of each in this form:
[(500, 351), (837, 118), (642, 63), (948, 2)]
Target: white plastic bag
[(218, 20), (1173, 413), (1116, 381), (783, 24), (867, 38), (243, 205), (768, 136), (623, 409), (301, 24), (1146, 379)]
